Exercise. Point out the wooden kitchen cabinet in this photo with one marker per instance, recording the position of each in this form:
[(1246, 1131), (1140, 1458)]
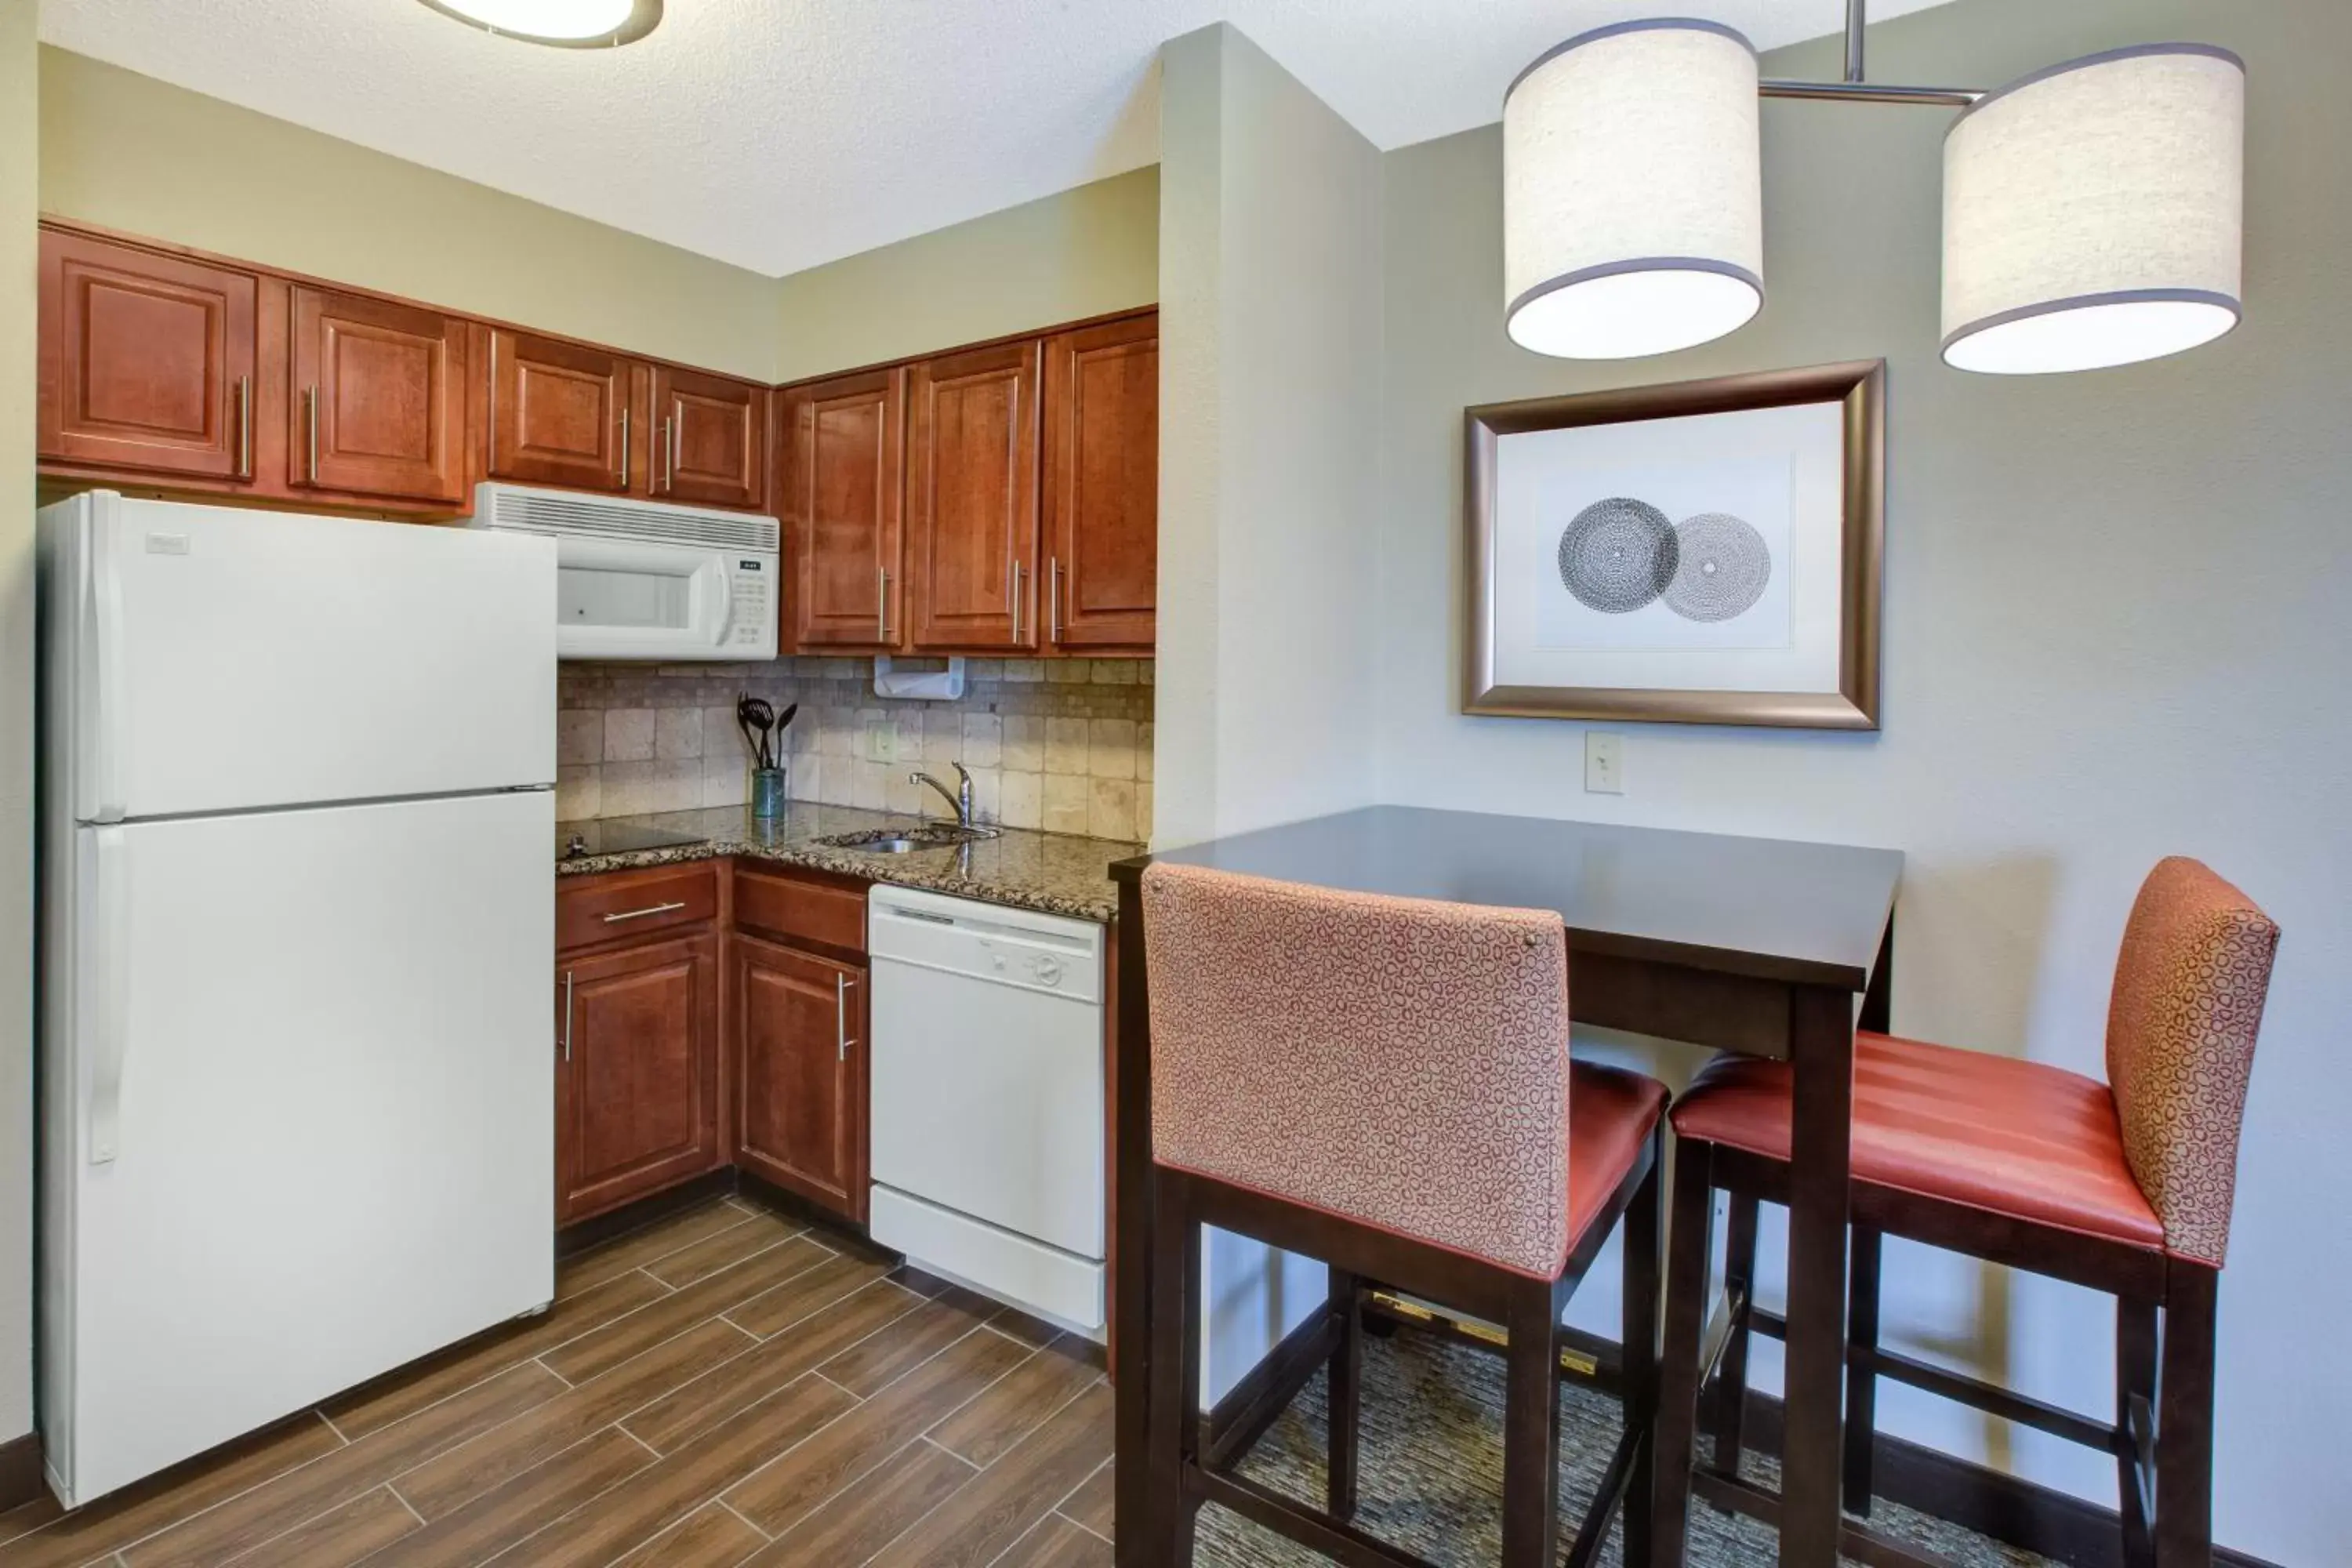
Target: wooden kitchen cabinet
[(711, 437), (376, 405), (637, 1079), (1101, 468), (147, 362), (842, 448), (971, 501), (561, 412), (800, 1056)]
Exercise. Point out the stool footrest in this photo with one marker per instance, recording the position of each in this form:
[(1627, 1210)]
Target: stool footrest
[(1858, 1541), (1316, 1532)]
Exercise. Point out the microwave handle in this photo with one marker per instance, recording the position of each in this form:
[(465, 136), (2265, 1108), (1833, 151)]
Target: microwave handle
[(724, 597)]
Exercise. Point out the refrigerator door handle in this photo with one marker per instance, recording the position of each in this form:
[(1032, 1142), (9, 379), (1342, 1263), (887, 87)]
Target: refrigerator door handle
[(107, 940), (106, 688)]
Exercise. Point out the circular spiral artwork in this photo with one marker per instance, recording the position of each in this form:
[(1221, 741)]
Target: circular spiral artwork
[(1722, 566), (1618, 555)]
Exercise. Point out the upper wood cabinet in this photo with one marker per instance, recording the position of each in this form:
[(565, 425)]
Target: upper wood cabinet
[(376, 406), (637, 1083), (971, 501), (711, 438), (561, 412), (842, 447), (147, 362), (800, 1073), (1102, 486)]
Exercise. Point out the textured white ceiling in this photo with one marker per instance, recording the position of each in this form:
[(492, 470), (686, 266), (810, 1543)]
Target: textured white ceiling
[(778, 134)]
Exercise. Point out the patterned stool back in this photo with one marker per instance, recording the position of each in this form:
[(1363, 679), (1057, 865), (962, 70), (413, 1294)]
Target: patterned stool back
[(2190, 987), (1396, 1061)]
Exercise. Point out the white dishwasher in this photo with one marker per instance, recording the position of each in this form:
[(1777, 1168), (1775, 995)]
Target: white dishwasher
[(987, 1086)]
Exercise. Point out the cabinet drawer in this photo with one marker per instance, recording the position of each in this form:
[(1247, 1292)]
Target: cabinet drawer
[(624, 904), (801, 908)]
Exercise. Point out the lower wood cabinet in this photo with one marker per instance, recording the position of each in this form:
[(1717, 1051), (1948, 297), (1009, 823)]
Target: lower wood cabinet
[(638, 1072), (799, 1083)]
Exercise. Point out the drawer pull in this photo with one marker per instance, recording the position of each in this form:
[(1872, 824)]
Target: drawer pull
[(640, 914)]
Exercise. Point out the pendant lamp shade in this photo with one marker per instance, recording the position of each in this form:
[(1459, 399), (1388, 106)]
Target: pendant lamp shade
[(2094, 213), (1632, 191)]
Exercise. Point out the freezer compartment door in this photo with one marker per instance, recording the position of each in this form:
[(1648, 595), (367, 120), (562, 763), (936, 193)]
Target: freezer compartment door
[(310, 1132), (220, 659)]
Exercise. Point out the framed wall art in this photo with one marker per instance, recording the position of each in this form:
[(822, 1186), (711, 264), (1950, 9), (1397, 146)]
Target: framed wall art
[(1705, 553)]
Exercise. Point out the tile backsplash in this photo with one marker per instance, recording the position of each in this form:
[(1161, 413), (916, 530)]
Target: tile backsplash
[(1060, 744)]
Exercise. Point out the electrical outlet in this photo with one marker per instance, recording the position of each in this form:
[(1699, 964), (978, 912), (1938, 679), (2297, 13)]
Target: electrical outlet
[(1604, 763), (882, 741)]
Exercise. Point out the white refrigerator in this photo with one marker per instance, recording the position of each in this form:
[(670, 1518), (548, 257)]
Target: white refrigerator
[(297, 1122)]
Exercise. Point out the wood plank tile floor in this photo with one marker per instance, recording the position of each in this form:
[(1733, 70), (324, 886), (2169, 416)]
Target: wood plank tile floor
[(726, 1387)]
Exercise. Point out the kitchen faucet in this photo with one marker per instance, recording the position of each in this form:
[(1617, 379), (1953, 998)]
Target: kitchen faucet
[(959, 797)]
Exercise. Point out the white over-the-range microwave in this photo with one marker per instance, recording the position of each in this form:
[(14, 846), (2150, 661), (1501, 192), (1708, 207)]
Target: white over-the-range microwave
[(647, 580)]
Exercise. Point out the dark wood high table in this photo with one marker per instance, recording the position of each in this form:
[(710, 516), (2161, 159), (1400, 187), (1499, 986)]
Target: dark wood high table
[(1755, 945)]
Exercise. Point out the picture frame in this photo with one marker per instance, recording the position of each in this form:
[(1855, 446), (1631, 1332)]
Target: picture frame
[(1745, 590)]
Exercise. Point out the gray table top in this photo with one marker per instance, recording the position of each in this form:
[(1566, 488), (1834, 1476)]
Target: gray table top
[(1772, 909)]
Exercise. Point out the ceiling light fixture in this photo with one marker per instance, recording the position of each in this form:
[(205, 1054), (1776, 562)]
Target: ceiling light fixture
[(567, 24), (2093, 212)]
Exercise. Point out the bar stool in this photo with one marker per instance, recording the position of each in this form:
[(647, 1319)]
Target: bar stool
[(2123, 1187), (1384, 1084)]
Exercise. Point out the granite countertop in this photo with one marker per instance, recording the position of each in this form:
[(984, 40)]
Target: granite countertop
[(1054, 873)]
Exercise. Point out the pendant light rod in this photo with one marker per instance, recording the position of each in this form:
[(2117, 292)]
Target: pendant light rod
[(1856, 88)]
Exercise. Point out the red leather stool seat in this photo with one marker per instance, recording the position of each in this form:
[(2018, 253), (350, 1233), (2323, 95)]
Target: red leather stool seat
[(1610, 1115), (1992, 1133)]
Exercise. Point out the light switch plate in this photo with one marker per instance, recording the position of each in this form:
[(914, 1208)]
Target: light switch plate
[(1604, 763), (882, 741)]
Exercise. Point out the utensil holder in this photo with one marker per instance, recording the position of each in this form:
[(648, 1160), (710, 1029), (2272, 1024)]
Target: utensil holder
[(767, 795)]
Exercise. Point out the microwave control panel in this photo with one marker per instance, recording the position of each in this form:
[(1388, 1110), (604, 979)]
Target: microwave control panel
[(751, 593)]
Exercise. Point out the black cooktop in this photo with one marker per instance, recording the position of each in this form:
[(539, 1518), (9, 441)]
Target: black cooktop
[(577, 840)]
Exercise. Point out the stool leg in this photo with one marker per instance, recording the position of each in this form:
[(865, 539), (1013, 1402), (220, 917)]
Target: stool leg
[(1691, 1239), (1644, 1222), (1860, 1381), (1344, 1380), (2134, 1410), (1173, 1435), (2184, 1421), (1731, 1385), (1531, 1430)]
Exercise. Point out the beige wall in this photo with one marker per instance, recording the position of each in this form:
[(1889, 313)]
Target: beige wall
[(1270, 365), (18, 205), (1085, 252), (133, 154), (2119, 625)]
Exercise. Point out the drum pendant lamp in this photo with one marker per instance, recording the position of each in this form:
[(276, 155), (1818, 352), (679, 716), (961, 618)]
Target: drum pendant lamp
[(1633, 205)]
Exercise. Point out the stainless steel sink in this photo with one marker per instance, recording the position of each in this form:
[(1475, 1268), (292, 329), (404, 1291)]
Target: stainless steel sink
[(904, 840)]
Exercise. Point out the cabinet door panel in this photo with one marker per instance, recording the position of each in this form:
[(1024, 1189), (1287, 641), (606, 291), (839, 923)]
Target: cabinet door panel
[(845, 458), (375, 405), (146, 362), (560, 414), (972, 500), (800, 1090), (1102, 485), (711, 435), (637, 1077)]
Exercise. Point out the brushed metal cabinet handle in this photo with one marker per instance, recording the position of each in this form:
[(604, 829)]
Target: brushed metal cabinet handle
[(640, 914), (310, 402), (567, 1015), (1016, 603), (624, 448), (1053, 602), (882, 604), (840, 1017), (244, 426), (668, 463)]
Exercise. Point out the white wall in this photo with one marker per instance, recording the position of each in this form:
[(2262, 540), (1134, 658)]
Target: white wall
[(2119, 625), (19, 206), (1270, 323)]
